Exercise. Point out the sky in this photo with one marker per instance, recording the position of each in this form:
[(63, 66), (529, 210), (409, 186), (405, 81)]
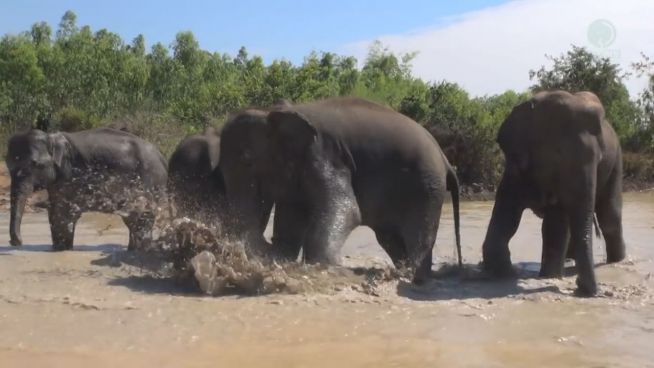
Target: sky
[(487, 46)]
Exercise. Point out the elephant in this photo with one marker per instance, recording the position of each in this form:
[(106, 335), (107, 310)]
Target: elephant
[(331, 165), (195, 183), (563, 161), (102, 170)]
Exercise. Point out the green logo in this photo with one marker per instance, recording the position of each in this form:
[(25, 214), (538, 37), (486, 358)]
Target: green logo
[(601, 33)]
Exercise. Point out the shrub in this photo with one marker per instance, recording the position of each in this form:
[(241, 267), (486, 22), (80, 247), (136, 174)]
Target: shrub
[(71, 119)]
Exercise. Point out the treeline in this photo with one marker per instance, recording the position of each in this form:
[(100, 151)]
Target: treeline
[(76, 78)]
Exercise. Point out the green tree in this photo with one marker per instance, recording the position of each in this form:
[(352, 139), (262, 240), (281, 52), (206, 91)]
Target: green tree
[(67, 25), (385, 77), (645, 67), (21, 80), (41, 34), (83, 77)]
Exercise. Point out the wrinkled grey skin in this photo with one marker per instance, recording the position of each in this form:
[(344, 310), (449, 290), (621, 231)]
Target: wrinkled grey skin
[(195, 183), (103, 170), (330, 166), (563, 161)]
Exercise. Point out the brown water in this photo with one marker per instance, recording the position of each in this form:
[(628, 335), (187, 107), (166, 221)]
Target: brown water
[(96, 306)]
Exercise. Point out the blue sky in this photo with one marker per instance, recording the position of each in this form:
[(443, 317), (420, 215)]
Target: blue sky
[(274, 29)]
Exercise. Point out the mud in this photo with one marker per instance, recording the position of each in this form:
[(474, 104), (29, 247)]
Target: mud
[(99, 305)]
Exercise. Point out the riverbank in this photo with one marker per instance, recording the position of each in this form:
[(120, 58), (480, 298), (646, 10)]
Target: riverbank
[(475, 192)]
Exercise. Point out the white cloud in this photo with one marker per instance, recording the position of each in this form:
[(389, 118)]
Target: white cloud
[(492, 50)]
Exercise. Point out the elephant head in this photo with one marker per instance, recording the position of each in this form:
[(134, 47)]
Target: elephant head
[(35, 160), (261, 156), (544, 133)]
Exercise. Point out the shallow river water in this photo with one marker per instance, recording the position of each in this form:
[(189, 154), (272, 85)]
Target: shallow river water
[(88, 307)]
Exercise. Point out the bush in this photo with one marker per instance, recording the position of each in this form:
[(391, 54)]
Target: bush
[(71, 119), (164, 131), (638, 169)]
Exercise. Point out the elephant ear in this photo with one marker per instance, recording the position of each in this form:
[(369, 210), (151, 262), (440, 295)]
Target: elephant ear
[(59, 149), (591, 118), (291, 130), (591, 114)]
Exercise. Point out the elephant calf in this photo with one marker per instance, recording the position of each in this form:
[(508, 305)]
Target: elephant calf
[(103, 170), (331, 165), (195, 183), (563, 161)]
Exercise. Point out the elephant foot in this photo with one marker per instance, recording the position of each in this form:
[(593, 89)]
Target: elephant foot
[(500, 270), (143, 243), (16, 242), (585, 289), (549, 272), (614, 257), (420, 280), (60, 248)]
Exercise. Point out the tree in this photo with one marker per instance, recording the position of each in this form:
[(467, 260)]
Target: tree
[(83, 77), (386, 77), (41, 34), (67, 25), (138, 46), (645, 138), (21, 80)]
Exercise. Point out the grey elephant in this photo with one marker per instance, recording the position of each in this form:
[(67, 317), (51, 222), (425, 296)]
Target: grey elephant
[(195, 183), (564, 162), (103, 170), (331, 165)]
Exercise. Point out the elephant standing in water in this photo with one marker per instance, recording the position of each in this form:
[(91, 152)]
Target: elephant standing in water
[(331, 165), (564, 162), (103, 170), (195, 183)]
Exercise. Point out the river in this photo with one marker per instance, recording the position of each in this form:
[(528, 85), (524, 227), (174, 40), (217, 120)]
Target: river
[(88, 307)]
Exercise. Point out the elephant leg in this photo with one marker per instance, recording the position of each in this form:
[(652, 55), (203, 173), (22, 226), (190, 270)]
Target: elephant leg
[(140, 229), (327, 232), (419, 235), (570, 250), (609, 217), (63, 220), (289, 228), (392, 243), (507, 213), (333, 214), (555, 240)]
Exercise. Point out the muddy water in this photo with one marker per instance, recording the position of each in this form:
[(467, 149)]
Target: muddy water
[(95, 306)]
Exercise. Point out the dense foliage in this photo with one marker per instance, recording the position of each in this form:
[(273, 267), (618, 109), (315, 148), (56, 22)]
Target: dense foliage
[(77, 78)]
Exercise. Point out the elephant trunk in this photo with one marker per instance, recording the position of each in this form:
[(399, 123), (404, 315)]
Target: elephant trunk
[(21, 188), (249, 214)]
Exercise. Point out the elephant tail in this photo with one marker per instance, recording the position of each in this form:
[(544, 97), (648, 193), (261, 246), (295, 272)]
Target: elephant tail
[(452, 184)]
